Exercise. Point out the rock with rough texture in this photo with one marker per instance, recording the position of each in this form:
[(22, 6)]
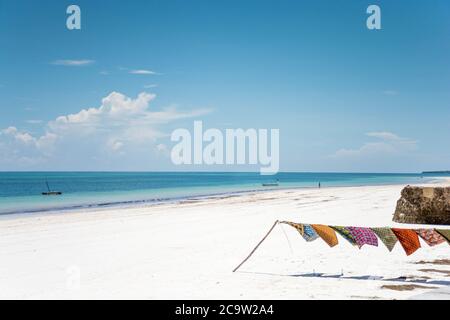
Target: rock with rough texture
[(425, 205)]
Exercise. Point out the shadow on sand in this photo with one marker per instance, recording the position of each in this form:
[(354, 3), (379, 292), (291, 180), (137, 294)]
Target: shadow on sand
[(409, 280)]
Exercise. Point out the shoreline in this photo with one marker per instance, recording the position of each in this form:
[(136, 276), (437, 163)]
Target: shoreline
[(142, 203)]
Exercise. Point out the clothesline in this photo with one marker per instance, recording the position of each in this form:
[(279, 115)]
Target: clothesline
[(359, 236)]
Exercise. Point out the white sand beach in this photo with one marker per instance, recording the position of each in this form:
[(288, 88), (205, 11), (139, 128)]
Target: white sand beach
[(188, 251)]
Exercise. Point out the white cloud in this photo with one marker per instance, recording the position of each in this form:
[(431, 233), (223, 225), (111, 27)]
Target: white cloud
[(25, 137), (149, 86), (143, 71), (20, 148), (388, 144), (22, 137), (46, 142), (120, 111), (9, 131), (113, 108), (114, 145), (73, 63), (384, 135), (399, 144), (119, 125)]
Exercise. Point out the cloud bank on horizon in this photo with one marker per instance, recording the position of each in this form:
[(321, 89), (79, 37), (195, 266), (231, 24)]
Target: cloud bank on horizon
[(388, 144), (124, 127), (120, 126)]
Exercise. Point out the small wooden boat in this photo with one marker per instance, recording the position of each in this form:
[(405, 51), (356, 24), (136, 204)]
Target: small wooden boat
[(271, 184), (51, 193)]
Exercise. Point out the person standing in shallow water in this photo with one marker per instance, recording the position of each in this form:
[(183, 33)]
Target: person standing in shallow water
[(319, 184)]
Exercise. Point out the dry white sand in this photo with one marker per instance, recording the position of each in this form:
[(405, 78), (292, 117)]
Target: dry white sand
[(188, 250)]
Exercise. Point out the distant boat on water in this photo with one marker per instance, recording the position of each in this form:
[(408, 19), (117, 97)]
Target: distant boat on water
[(271, 184), (49, 192)]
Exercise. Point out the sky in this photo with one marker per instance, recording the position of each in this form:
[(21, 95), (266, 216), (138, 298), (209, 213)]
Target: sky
[(108, 96)]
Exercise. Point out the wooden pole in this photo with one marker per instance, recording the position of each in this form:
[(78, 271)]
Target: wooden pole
[(253, 251)]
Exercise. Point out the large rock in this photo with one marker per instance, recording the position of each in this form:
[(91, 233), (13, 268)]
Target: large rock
[(425, 205)]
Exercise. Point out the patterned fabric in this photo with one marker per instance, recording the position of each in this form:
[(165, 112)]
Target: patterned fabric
[(430, 236), (326, 233), (386, 236), (305, 230), (445, 233), (345, 233), (408, 239), (363, 236)]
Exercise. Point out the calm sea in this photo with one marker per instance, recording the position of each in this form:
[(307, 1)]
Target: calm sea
[(20, 192)]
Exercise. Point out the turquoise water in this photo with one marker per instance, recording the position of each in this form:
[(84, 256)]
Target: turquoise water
[(21, 191)]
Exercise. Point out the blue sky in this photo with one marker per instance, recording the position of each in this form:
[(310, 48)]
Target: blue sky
[(345, 98)]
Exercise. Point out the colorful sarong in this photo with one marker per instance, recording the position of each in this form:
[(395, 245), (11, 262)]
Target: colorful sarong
[(363, 236), (326, 233), (445, 233), (408, 239), (430, 236), (345, 233), (305, 230), (386, 236)]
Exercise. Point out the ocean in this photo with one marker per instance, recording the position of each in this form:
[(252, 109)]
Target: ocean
[(21, 192)]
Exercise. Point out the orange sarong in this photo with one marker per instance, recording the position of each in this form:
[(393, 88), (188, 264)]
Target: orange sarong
[(326, 233), (408, 239)]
